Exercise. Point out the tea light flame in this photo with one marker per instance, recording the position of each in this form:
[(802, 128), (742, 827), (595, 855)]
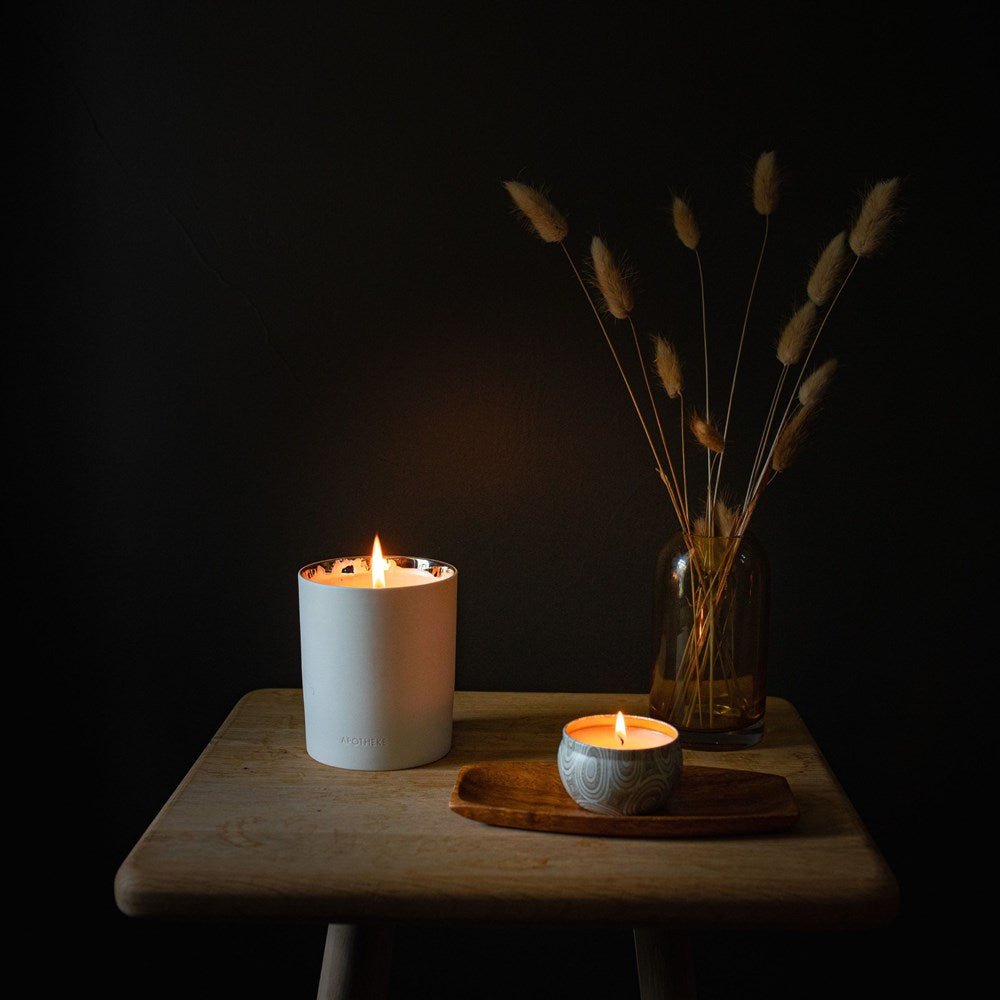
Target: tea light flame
[(620, 729), (378, 565)]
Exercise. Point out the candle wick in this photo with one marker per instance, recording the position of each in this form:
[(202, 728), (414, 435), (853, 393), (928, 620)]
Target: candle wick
[(621, 740)]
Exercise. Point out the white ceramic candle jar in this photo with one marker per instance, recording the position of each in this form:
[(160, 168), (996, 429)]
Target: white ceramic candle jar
[(378, 661)]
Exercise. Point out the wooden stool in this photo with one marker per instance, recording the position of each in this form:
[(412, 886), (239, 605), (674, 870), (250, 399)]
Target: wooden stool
[(259, 829)]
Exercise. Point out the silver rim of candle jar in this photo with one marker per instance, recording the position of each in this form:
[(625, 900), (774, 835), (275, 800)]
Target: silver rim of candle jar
[(439, 570), (587, 747)]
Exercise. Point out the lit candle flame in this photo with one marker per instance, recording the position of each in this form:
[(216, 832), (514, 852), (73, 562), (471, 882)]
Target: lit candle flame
[(620, 731), (378, 565)]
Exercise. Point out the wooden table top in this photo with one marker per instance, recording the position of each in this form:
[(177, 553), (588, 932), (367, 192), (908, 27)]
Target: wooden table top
[(258, 828)]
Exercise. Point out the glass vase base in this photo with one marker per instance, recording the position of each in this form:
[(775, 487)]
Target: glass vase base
[(722, 739)]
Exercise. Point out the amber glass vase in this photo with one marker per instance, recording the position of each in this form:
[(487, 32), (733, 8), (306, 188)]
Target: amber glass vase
[(710, 635)]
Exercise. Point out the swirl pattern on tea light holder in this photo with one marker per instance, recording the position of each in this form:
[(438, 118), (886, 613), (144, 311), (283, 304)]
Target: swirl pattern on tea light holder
[(619, 782)]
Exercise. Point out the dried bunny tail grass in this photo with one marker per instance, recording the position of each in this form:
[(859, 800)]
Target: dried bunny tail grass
[(611, 280), (814, 388), (725, 519), (870, 230), (828, 270), (545, 218), (668, 367), (686, 225), (795, 336), (766, 181), (792, 440), (708, 437)]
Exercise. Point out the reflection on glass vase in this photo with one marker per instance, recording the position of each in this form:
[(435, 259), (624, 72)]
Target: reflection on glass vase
[(711, 609)]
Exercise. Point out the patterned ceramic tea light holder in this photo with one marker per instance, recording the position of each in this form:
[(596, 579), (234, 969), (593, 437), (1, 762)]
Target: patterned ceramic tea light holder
[(624, 765)]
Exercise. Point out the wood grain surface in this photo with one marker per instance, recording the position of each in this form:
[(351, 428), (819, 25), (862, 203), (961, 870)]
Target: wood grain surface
[(258, 828), (708, 801)]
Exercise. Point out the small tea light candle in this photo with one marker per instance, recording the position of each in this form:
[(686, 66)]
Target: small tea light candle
[(378, 659), (620, 765)]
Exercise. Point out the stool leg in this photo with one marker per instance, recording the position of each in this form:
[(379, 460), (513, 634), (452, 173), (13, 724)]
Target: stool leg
[(666, 968), (356, 963)]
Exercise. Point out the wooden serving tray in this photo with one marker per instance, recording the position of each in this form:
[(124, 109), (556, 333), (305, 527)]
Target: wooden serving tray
[(708, 802)]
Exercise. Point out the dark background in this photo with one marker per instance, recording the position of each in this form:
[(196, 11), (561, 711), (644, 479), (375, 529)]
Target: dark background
[(276, 301)]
